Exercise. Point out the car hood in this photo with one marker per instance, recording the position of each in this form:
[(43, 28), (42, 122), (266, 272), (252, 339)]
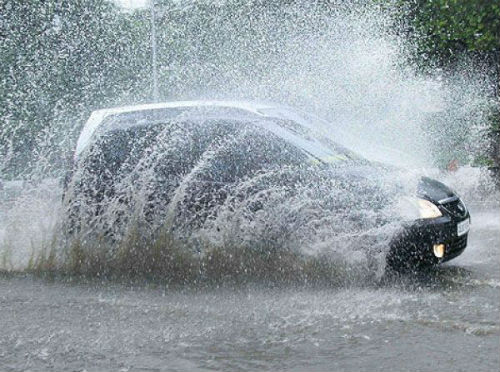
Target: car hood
[(433, 190), (427, 188)]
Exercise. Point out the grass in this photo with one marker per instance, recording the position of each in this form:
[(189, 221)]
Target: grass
[(163, 258)]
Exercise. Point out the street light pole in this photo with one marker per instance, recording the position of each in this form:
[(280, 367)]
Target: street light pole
[(153, 52)]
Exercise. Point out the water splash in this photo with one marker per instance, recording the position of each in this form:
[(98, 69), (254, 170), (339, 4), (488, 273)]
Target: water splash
[(346, 65)]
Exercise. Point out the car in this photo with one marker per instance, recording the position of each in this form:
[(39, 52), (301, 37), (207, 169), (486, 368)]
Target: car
[(194, 153)]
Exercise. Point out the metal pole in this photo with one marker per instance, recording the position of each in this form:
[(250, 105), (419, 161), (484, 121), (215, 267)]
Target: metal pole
[(153, 52)]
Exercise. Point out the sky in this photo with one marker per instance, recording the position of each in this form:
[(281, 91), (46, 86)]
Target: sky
[(132, 4)]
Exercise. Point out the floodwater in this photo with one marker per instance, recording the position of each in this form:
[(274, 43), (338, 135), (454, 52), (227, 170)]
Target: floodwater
[(445, 321)]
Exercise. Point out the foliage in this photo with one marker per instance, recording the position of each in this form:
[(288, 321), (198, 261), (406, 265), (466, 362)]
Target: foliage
[(450, 27), (58, 61), (447, 32), (61, 60)]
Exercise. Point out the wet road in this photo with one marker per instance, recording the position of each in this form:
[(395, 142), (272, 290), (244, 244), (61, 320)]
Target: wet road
[(447, 322)]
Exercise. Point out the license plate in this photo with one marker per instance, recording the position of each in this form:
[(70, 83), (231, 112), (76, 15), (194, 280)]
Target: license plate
[(463, 227)]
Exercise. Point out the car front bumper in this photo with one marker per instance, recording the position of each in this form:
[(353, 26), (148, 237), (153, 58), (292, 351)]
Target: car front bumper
[(413, 247)]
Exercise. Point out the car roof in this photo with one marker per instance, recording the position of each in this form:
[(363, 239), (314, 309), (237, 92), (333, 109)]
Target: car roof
[(97, 117), (312, 146), (243, 105)]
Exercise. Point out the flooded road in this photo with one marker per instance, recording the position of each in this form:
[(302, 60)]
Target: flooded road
[(448, 321)]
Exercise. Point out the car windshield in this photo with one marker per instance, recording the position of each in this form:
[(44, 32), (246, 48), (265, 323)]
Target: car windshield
[(317, 126), (228, 149)]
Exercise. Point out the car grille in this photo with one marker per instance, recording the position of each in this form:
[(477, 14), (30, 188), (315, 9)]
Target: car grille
[(458, 244), (456, 208)]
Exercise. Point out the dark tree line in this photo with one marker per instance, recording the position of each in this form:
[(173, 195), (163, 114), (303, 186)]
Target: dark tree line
[(59, 60), (446, 32)]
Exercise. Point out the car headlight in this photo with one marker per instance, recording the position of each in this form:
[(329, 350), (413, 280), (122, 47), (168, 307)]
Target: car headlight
[(428, 209), (414, 208)]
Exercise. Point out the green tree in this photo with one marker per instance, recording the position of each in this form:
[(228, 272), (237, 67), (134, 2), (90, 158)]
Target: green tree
[(58, 61), (447, 28), (448, 31)]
